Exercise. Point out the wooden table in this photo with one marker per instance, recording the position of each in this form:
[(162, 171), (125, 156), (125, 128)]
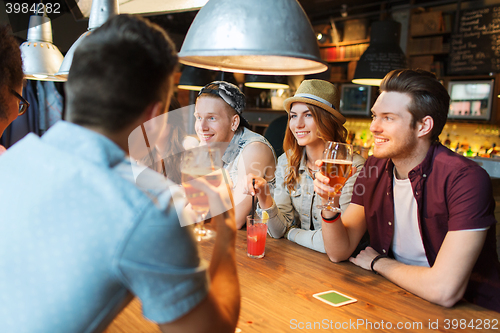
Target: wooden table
[(277, 297)]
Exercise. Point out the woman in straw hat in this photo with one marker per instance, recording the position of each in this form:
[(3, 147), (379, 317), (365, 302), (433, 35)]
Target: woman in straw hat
[(313, 120)]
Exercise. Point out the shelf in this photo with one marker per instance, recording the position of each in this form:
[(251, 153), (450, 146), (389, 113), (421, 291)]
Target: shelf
[(343, 53), (343, 60), (362, 41), (428, 53), (429, 40), (430, 34)]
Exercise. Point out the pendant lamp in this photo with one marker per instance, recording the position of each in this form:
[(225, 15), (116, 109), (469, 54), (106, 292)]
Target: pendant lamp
[(382, 56), (193, 78), (266, 81), (226, 76), (252, 36), (41, 58), (100, 12)]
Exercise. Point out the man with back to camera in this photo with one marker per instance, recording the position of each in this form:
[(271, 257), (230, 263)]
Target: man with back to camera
[(428, 210), (12, 104), (76, 236)]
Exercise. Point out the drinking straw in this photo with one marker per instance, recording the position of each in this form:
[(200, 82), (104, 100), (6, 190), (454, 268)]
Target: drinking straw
[(253, 199)]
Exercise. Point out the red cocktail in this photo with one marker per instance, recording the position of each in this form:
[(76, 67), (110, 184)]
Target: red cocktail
[(256, 237)]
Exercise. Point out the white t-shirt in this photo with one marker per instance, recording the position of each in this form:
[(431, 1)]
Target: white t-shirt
[(407, 244)]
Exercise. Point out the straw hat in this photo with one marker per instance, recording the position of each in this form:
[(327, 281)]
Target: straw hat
[(320, 93)]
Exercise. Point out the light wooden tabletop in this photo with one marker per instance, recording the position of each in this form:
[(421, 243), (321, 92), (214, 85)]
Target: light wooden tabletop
[(277, 296)]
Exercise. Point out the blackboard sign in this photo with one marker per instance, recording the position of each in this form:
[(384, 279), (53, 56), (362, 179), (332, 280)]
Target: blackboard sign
[(475, 48)]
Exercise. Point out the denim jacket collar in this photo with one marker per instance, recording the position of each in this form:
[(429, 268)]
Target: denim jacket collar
[(232, 149)]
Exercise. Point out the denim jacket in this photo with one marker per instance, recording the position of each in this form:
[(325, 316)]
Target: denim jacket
[(240, 140), (296, 210)]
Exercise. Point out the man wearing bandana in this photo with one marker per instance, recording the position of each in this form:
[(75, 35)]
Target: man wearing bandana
[(218, 114)]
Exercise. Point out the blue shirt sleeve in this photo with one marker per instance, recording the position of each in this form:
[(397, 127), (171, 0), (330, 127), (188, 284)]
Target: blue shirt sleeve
[(160, 264)]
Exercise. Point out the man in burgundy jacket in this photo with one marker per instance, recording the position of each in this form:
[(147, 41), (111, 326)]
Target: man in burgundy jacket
[(428, 210)]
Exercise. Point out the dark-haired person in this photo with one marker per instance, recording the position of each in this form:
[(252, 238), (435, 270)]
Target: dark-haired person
[(313, 120), (12, 104), (428, 210), (78, 236), (218, 114)]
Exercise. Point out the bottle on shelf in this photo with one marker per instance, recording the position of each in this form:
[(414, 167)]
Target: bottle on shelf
[(465, 144), (351, 136), (447, 142), (493, 151)]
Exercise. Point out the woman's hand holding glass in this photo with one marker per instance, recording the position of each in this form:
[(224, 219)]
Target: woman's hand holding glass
[(260, 189)]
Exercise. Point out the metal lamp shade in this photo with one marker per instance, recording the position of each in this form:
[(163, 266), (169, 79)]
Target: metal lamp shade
[(41, 58), (100, 12), (252, 36), (193, 78), (226, 76), (266, 81), (382, 56), (68, 59)]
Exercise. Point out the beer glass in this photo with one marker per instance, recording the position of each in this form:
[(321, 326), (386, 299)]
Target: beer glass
[(337, 163), (205, 162)]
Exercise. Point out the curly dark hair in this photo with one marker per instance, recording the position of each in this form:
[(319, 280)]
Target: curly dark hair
[(11, 65)]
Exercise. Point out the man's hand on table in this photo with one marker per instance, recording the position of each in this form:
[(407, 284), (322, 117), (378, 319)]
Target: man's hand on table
[(364, 258)]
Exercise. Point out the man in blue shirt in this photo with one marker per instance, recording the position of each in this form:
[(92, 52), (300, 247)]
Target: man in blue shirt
[(76, 236)]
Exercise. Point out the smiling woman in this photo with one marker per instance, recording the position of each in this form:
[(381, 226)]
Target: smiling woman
[(314, 119)]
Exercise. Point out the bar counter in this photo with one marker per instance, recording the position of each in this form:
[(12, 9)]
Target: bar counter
[(277, 296)]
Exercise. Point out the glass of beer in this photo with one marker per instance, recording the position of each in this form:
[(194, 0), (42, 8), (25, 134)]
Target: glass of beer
[(205, 162), (337, 163)]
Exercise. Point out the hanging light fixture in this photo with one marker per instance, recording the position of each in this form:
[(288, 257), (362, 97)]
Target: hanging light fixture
[(266, 81), (382, 56), (193, 78), (100, 12), (252, 36), (41, 58), (226, 76)]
